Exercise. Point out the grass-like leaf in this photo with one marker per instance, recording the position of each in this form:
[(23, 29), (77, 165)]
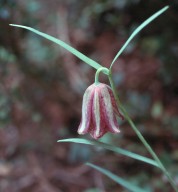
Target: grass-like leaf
[(119, 180), (111, 148), (64, 45), (137, 30)]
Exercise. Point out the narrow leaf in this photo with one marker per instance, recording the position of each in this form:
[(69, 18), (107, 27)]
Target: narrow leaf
[(64, 45), (119, 180), (112, 148), (137, 30)]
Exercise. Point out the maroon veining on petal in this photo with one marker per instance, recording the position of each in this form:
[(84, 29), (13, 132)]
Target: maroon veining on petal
[(99, 111), (114, 104), (86, 110), (108, 111), (98, 119)]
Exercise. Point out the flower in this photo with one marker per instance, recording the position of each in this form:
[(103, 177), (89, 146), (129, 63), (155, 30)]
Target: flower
[(99, 111)]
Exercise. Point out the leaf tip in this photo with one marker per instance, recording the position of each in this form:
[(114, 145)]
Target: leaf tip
[(13, 25), (166, 7), (88, 164)]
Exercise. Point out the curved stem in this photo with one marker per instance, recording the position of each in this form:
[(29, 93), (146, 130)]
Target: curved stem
[(140, 136), (104, 70)]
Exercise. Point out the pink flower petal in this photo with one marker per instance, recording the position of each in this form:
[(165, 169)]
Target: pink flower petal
[(99, 111), (114, 104), (108, 111), (86, 111), (97, 130)]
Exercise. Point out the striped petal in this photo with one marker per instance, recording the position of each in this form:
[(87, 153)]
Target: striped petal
[(97, 130), (86, 111), (114, 104), (108, 112), (99, 111)]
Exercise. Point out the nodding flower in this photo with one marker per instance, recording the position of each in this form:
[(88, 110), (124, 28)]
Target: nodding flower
[(99, 111)]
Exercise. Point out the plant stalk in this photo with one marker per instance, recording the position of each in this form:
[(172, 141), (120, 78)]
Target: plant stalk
[(104, 70), (145, 143)]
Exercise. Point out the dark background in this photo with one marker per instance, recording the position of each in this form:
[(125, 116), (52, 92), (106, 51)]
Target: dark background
[(41, 88)]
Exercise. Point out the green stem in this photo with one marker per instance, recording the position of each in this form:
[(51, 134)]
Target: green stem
[(104, 70), (147, 146)]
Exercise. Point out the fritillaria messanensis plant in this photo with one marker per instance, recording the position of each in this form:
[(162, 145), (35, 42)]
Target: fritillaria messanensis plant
[(99, 110), (99, 105)]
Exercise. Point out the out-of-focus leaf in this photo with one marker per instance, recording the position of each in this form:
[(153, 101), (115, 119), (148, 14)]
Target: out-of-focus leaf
[(93, 190), (111, 148), (119, 180), (64, 45), (157, 110), (137, 30)]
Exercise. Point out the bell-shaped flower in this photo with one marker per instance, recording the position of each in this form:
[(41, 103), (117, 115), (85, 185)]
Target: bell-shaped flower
[(99, 111)]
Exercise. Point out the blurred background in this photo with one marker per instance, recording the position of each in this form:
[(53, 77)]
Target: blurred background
[(41, 89)]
